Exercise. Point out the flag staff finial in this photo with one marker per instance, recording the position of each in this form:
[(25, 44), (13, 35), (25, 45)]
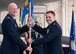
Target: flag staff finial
[(73, 5)]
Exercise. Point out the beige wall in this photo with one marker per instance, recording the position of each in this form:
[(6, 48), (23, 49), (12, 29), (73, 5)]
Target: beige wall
[(67, 15)]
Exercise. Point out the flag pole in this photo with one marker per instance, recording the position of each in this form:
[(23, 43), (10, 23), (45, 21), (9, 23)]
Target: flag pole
[(20, 25), (30, 27), (72, 33)]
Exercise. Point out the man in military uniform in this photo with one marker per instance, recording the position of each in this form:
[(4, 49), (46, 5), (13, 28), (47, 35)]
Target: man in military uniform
[(11, 33), (51, 35)]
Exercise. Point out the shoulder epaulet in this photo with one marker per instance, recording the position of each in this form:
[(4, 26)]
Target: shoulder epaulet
[(53, 23), (8, 17)]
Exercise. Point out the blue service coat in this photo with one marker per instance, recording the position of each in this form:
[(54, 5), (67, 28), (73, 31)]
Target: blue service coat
[(11, 36), (39, 48), (51, 38)]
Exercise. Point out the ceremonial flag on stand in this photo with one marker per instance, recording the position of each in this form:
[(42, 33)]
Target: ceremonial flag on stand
[(72, 36)]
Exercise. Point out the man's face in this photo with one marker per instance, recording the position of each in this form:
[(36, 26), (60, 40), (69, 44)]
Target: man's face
[(50, 18), (13, 10)]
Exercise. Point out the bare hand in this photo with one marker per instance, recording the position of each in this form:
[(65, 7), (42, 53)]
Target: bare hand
[(30, 22), (29, 49), (29, 40)]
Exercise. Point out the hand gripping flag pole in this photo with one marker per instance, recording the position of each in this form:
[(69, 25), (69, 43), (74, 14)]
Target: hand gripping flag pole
[(28, 9), (30, 27)]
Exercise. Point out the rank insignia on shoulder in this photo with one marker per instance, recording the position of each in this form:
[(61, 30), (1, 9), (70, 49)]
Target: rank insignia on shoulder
[(15, 25), (54, 24), (8, 17)]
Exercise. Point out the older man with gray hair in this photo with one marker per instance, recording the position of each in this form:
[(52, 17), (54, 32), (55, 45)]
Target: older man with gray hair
[(11, 33)]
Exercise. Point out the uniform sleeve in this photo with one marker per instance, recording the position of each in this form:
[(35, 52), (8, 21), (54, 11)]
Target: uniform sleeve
[(53, 33), (23, 29), (39, 29), (13, 34)]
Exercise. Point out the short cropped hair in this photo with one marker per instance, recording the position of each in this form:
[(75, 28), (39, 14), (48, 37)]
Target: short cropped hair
[(12, 4), (52, 12)]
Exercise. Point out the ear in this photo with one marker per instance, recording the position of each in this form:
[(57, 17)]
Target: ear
[(8, 8)]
